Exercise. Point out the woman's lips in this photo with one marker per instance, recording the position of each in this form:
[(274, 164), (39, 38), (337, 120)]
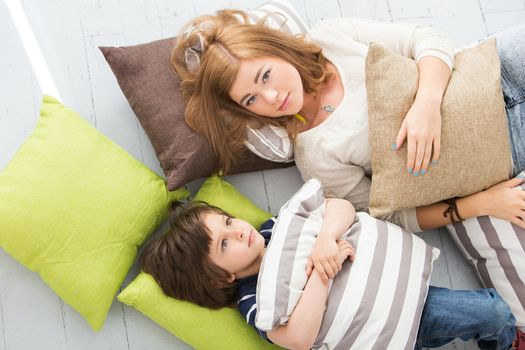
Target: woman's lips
[(285, 103), (250, 239)]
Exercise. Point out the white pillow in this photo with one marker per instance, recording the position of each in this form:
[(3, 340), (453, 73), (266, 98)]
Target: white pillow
[(375, 302), (496, 249), (272, 142)]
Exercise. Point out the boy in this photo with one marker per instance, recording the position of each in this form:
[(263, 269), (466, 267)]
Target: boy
[(213, 260)]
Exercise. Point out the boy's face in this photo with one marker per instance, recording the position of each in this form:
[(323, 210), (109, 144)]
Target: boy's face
[(236, 246)]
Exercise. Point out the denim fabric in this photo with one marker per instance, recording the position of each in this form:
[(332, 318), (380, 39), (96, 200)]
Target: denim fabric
[(479, 314), (511, 50)]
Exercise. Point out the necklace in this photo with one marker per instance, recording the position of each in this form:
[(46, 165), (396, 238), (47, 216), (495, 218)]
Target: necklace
[(328, 108)]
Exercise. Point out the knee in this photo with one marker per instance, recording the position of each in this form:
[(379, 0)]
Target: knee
[(499, 314)]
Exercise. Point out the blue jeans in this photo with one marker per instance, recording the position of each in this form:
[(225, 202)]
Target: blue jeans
[(478, 314), (511, 51)]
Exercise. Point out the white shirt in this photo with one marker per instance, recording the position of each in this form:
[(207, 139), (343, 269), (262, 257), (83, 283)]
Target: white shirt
[(337, 151)]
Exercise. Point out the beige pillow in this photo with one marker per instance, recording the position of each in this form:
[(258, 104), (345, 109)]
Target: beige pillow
[(475, 150)]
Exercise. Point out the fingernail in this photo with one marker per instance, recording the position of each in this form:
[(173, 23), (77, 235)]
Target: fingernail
[(423, 171), (416, 174), (410, 170), (394, 146)]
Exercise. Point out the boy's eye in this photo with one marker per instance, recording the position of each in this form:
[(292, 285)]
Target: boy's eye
[(266, 76), (224, 244), (250, 101), (228, 221)]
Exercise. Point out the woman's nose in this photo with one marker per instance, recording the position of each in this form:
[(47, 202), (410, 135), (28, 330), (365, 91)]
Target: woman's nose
[(270, 95)]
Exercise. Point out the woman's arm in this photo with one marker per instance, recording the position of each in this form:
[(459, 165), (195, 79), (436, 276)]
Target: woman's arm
[(305, 321), (501, 201), (422, 124)]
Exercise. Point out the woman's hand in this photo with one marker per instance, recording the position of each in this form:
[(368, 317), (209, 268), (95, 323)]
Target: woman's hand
[(422, 130), (507, 203)]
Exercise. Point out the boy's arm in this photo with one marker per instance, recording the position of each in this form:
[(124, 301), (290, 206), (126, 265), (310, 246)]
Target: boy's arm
[(305, 321), (338, 216)]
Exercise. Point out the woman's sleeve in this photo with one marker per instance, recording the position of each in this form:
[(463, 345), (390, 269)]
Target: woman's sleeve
[(405, 218), (410, 40)]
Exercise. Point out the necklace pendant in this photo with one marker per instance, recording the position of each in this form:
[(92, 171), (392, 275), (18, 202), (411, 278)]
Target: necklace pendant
[(328, 108)]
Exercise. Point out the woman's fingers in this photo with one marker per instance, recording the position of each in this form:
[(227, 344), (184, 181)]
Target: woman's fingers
[(401, 136), (518, 222), (437, 149), (426, 158), (411, 154), (420, 153)]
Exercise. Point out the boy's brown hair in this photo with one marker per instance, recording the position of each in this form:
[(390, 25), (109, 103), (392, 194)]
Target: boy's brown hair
[(179, 261)]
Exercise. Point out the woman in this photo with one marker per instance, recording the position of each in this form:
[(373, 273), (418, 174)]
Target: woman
[(236, 75)]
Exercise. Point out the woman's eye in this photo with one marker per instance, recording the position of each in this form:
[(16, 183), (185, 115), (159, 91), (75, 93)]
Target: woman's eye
[(250, 101), (224, 244), (266, 76)]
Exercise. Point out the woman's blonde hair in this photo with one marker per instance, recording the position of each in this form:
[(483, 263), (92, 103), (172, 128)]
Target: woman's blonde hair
[(207, 58)]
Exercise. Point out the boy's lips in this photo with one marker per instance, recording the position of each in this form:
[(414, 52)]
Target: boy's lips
[(250, 239), (285, 102)]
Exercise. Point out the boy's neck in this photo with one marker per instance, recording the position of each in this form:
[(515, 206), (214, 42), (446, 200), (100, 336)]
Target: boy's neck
[(253, 269)]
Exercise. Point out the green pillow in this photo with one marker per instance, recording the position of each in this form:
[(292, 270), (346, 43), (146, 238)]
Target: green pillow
[(215, 191), (200, 327), (74, 207)]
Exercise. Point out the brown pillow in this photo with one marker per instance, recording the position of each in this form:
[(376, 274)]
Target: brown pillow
[(152, 89), (475, 150)]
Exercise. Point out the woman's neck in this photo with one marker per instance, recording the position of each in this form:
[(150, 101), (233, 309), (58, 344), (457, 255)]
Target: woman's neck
[(312, 110)]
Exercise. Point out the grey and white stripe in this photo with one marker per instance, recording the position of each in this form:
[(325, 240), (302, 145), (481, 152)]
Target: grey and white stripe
[(496, 248), (374, 302), (270, 142)]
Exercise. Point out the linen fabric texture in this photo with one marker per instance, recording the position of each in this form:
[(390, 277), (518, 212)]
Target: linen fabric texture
[(474, 129), (152, 89), (202, 328), (74, 207), (375, 302), (496, 250)]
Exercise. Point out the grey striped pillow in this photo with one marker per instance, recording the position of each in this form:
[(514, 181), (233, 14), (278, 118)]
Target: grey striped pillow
[(272, 142), (375, 302), (496, 249)]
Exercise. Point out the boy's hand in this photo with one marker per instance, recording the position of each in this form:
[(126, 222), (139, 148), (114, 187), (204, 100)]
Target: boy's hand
[(346, 250), (325, 258)]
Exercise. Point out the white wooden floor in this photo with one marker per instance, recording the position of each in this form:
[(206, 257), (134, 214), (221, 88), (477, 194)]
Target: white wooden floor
[(31, 315)]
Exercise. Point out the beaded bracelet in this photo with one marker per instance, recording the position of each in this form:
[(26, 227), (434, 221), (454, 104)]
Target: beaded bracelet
[(452, 209)]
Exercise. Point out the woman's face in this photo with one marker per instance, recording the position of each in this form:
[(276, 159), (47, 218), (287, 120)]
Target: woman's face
[(268, 86)]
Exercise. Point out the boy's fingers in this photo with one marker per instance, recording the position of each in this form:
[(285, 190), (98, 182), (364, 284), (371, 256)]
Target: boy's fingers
[(322, 274), (309, 268)]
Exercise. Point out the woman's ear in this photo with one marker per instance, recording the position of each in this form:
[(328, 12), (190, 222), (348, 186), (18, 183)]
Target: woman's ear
[(231, 279)]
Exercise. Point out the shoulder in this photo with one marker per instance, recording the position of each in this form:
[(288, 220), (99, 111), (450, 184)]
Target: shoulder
[(267, 225)]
